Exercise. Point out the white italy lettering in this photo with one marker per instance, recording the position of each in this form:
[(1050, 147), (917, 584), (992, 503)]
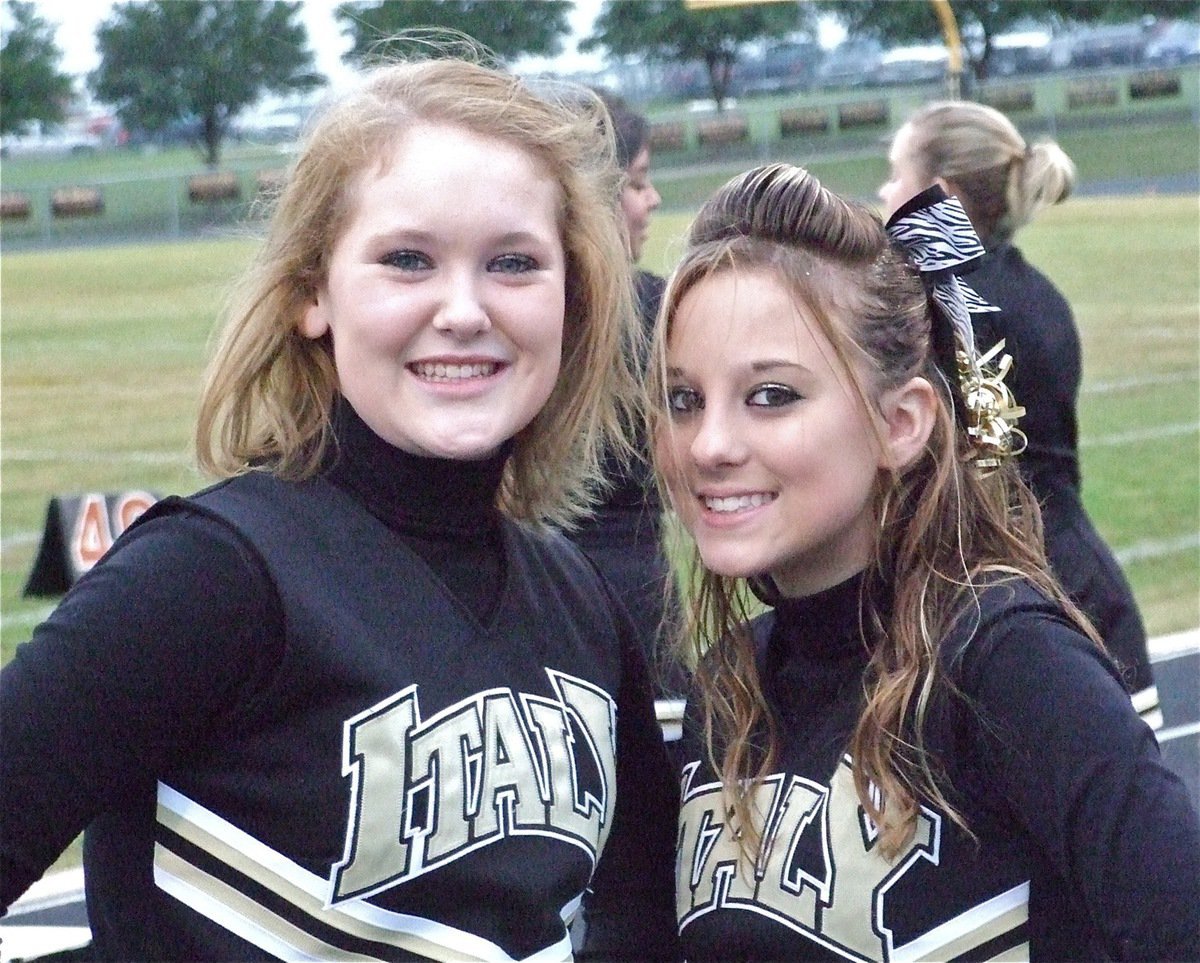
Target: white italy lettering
[(426, 792), (839, 902)]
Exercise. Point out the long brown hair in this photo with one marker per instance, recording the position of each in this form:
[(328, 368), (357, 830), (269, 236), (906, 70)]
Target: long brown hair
[(269, 390), (942, 524)]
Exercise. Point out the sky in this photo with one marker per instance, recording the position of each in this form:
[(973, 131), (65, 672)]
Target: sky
[(76, 22)]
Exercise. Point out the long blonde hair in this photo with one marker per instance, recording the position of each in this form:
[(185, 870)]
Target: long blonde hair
[(1002, 182), (942, 525), (269, 390)]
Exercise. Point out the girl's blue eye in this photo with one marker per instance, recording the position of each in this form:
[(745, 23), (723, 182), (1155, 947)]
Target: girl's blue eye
[(772, 396), (513, 264), (406, 260), (684, 400)]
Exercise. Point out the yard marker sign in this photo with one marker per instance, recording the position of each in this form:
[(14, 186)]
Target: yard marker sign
[(79, 529)]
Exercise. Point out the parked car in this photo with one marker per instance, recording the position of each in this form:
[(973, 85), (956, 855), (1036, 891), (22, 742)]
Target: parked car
[(917, 64), (1108, 45), (1021, 52), (783, 67), (1176, 42), (852, 63), (59, 142)]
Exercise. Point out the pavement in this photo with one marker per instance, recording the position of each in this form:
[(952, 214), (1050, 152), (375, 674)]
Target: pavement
[(51, 916)]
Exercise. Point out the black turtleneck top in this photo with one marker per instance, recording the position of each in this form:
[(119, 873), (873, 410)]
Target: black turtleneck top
[(445, 508), (234, 700), (1085, 845)]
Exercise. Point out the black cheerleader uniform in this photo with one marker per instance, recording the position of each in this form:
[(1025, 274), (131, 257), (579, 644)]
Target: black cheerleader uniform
[(1084, 845), (361, 716), (624, 535), (1038, 328)]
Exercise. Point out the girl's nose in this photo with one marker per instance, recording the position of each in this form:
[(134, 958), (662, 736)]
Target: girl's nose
[(717, 442), (462, 312)]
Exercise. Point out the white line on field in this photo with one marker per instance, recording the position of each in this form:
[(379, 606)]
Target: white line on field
[(19, 540), (1177, 732), (140, 457), (1157, 547), (1139, 381), (28, 619), (1163, 647), (1141, 434)]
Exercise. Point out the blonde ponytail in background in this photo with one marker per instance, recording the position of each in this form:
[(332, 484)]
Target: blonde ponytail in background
[(1002, 182)]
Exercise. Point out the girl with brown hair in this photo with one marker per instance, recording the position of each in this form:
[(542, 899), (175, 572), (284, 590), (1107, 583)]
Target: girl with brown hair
[(904, 742), (1004, 182)]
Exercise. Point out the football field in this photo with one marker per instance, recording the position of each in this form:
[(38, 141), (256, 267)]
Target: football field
[(102, 350)]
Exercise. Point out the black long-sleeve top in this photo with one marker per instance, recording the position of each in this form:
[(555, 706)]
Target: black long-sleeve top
[(1086, 846), (1038, 328), (265, 701)]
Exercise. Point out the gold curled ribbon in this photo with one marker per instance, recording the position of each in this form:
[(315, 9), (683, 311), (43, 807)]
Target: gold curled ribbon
[(992, 411)]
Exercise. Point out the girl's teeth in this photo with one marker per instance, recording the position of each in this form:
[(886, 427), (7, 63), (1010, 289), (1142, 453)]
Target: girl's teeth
[(455, 372), (736, 503)]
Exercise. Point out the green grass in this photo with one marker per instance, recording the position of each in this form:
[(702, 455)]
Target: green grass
[(23, 173), (103, 349), (102, 354), (1139, 148), (1130, 267)]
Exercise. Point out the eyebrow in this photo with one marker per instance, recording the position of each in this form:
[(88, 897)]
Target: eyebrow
[(756, 367), (423, 237), (526, 237), (769, 364)]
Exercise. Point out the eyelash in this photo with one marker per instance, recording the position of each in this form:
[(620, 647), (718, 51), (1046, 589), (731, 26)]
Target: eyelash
[(777, 396), (408, 260), (682, 401), (523, 262)]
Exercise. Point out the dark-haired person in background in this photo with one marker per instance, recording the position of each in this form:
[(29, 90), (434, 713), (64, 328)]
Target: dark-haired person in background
[(624, 536)]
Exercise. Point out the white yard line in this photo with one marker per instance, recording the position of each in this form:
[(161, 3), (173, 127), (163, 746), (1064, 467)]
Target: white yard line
[(1140, 435), (1139, 381), (1157, 548), (140, 457)]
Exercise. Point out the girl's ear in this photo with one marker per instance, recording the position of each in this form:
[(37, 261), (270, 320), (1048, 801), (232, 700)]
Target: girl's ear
[(909, 413), (314, 321)]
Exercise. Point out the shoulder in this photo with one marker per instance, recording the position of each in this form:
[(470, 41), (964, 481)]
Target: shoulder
[(760, 633), (1009, 281), (546, 543), (547, 554), (182, 531), (1011, 643), (998, 603)]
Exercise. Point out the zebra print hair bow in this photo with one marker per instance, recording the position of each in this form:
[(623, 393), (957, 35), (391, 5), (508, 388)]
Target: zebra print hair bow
[(940, 242)]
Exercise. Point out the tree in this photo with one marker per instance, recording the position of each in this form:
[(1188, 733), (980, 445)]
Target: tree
[(666, 30), (166, 61), (31, 88), (915, 20), (509, 28)]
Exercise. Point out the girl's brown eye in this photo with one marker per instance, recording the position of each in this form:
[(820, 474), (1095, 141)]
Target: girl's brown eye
[(684, 400), (772, 396)]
